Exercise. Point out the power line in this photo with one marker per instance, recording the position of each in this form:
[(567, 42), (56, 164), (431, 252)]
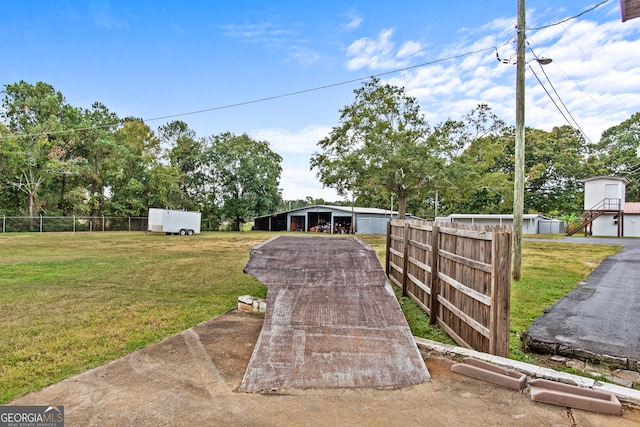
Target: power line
[(557, 94), (556, 105), (564, 105), (569, 18), (269, 98)]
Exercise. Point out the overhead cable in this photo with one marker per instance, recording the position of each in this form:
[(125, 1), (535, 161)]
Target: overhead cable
[(569, 18), (575, 122), (269, 98)]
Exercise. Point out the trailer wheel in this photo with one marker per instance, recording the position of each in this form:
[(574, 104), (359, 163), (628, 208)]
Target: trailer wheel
[(189, 232), (183, 232)]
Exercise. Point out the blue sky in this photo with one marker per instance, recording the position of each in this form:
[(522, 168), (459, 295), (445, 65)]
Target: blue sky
[(153, 59)]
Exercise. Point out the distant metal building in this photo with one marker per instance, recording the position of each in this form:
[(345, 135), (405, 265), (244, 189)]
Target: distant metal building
[(329, 219), (606, 211), (531, 223)]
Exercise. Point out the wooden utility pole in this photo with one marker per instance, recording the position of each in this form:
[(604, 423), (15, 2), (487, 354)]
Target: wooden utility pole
[(518, 184)]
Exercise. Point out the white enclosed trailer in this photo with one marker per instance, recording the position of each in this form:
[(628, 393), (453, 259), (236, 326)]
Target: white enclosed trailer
[(173, 221)]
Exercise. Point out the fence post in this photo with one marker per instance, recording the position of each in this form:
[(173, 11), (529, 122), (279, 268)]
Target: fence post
[(41, 223), (387, 260), (500, 292), (435, 248), (405, 260), (4, 223)]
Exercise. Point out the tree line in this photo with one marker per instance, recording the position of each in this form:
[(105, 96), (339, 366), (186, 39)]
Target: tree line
[(58, 159), (383, 149)]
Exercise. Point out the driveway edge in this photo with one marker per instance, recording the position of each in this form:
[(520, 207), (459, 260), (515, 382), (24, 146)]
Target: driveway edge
[(624, 394)]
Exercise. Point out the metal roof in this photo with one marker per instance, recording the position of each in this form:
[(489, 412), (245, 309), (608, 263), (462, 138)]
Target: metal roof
[(632, 208), (494, 216), (615, 178), (346, 209)]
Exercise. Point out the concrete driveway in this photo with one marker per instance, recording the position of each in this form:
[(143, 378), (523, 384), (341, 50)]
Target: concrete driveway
[(192, 379), (600, 319)]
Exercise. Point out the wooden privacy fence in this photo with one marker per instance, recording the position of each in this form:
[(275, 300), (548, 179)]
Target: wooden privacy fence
[(459, 274)]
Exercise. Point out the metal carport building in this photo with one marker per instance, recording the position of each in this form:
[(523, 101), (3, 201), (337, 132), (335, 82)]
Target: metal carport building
[(329, 219)]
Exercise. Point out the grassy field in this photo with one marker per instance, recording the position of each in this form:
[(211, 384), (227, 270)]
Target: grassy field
[(73, 301)]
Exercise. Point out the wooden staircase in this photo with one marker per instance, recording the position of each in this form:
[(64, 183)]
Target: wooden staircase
[(604, 206)]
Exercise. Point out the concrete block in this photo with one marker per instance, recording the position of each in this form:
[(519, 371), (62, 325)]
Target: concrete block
[(260, 306), (571, 396), (246, 299), (633, 376), (252, 304), (620, 381), (489, 372), (244, 307), (565, 378), (628, 395), (437, 347), (462, 351), (525, 368)]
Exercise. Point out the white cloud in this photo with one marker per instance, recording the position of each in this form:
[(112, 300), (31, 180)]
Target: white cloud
[(409, 49), (353, 23), (103, 15), (285, 141), (296, 148), (304, 56), (263, 32), (595, 70), (375, 54), (298, 184)]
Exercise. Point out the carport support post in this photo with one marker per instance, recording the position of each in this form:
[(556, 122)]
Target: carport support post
[(433, 285)]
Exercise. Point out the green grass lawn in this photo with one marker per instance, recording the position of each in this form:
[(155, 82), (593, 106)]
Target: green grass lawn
[(73, 301)]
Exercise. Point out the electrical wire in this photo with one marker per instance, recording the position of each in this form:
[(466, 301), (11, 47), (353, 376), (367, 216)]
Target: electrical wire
[(259, 100), (575, 123), (318, 88), (569, 18), (549, 95), (557, 94), (564, 105)]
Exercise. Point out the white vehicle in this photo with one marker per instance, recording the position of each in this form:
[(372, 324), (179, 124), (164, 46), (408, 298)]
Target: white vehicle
[(173, 221)]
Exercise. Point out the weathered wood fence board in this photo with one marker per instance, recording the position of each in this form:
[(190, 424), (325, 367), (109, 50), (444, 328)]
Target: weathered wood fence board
[(460, 275)]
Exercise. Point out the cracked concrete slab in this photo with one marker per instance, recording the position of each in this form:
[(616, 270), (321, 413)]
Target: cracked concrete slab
[(332, 319), (191, 379)]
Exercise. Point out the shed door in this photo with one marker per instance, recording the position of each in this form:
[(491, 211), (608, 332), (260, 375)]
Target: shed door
[(611, 191)]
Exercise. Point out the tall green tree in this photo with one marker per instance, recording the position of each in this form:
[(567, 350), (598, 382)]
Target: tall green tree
[(382, 145), (99, 147), (481, 178), (183, 150), (555, 163), (39, 146), (617, 151), (245, 175), (138, 152)]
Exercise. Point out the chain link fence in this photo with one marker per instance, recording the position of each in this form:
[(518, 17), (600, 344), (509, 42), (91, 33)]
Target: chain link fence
[(40, 224), (72, 223)]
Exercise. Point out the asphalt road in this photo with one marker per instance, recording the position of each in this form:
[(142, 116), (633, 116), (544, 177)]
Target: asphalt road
[(600, 319)]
